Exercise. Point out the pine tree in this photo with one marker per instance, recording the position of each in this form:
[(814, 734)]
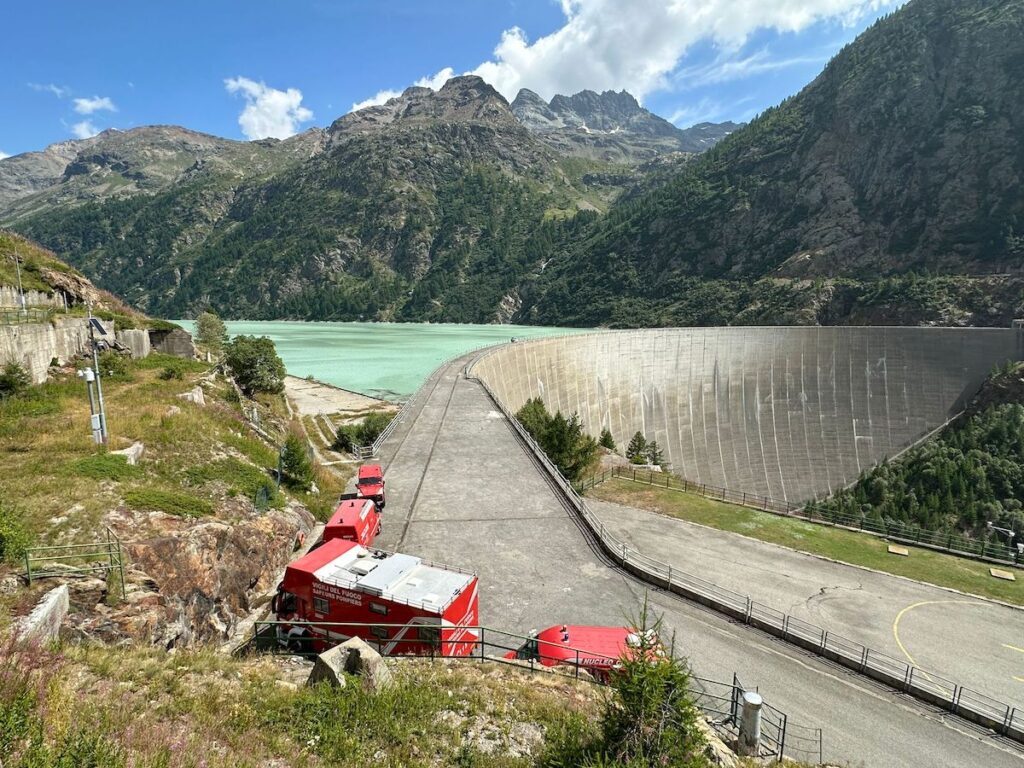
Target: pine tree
[(654, 454), (606, 440), (636, 451)]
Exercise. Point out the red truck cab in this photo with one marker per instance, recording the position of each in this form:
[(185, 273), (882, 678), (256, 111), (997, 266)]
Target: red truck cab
[(370, 483), (355, 520), (594, 649)]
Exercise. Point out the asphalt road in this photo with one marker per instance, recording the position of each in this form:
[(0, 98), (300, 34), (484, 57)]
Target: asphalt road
[(462, 490), (966, 640)]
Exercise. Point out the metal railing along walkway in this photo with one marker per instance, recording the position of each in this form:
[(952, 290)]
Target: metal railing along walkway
[(926, 686)]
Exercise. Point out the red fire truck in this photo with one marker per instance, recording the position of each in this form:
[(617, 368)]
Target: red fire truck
[(594, 649), (365, 593), (370, 483), (355, 520)]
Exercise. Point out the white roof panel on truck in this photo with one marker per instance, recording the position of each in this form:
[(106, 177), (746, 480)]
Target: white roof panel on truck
[(398, 577)]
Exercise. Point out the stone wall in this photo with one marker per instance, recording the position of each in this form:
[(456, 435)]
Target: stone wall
[(788, 413)]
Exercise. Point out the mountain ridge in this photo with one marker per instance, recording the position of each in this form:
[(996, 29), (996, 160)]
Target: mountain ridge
[(871, 196), (611, 126)]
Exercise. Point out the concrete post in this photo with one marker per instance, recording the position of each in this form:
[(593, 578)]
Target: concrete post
[(750, 725)]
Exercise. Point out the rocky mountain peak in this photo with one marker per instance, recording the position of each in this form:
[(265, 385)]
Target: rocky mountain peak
[(611, 125), (534, 113), (462, 99)]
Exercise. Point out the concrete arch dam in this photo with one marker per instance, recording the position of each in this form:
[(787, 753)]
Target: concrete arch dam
[(791, 413)]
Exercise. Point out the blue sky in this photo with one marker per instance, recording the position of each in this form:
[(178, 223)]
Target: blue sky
[(245, 70)]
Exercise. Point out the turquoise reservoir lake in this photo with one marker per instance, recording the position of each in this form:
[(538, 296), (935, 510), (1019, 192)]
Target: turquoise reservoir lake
[(388, 360)]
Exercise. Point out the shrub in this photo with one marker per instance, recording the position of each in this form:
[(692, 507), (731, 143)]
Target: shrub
[(114, 366), (350, 436), (255, 365), (14, 380), (295, 463), (172, 372), (651, 719), (171, 502), (105, 466), (606, 440)]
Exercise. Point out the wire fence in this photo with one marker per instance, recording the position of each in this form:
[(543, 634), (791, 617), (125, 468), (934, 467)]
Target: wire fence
[(719, 702), (949, 695), (904, 533)]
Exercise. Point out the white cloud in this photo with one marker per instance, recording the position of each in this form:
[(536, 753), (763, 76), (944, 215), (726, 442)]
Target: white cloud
[(268, 112), (434, 81), (3, 155), (726, 68), (84, 130), (95, 104), (60, 91), (637, 44)]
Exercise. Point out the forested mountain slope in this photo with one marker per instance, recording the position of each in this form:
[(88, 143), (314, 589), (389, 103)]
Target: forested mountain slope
[(432, 206), (904, 155)]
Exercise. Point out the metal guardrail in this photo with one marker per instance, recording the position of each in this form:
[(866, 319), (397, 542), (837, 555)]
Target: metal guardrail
[(952, 543), (970, 705), (719, 702), (103, 556), (25, 316)]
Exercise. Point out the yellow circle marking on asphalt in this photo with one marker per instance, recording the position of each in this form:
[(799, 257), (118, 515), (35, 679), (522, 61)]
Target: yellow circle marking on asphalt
[(899, 616)]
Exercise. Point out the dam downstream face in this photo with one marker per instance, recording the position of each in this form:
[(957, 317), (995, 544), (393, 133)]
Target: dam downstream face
[(789, 413)]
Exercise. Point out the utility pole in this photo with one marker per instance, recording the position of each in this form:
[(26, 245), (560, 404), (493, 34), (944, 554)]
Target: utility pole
[(93, 325), (17, 269), (94, 419)]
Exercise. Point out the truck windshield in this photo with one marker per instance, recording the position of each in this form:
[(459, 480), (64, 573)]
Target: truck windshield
[(369, 481), (285, 602)]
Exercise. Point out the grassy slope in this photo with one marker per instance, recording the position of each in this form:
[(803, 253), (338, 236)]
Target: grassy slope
[(847, 546), (198, 461), (203, 709)]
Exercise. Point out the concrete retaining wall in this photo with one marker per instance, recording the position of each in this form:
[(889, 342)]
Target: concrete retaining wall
[(788, 413), (11, 299), (177, 342), (137, 341), (34, 345)]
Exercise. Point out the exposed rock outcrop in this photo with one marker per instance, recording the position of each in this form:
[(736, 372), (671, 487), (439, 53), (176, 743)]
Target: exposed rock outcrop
[(189, 582)]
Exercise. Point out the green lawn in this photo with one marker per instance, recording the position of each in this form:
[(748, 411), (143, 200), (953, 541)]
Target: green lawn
[(850, 547)]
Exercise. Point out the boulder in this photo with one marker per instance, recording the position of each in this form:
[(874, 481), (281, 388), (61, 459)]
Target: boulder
[(353, 657), (362, 660), (43, 624), (329, 667), (133, 453), (194, 395)]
